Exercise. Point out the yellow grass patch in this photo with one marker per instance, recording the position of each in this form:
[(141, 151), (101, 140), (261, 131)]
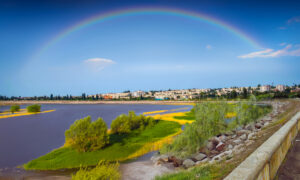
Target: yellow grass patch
[(22, 113), (153, 146), (155, 112), (162, 111), (230, 115), (170, 117)]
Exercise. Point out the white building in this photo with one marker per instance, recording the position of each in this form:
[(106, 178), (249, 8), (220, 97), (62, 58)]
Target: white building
[(280, 88), (138, 93), (265, 88)]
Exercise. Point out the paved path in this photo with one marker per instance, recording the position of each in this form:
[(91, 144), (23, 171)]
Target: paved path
[(290, 169)]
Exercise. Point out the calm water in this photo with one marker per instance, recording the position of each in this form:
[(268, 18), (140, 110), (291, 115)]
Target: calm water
[(27, 137)]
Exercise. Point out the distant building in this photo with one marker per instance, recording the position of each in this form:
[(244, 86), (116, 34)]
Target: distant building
[(138, 94), (280, 88), (265, 88), (296, 90)]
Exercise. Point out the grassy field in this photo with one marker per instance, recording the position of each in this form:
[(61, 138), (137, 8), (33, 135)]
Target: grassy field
[(121, 148)]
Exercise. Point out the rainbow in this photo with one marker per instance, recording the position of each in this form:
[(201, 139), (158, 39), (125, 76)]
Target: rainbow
[(147, 10)]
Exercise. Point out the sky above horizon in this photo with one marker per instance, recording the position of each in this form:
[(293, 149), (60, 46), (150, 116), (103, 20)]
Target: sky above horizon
[(247, 43)]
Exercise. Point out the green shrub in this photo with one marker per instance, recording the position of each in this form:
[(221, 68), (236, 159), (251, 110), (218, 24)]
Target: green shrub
[(120, 125), (210, 121), (85, 135), (14, 108), (103, 171), (124, 124), (34, 108)]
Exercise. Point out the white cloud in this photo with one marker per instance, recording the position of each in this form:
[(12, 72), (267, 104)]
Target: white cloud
[(271, 53), (208, 47), (97, 64), (256, 54)]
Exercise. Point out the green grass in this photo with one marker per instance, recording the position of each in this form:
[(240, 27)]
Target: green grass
[(121, 146), (187, 116), (203, 172)]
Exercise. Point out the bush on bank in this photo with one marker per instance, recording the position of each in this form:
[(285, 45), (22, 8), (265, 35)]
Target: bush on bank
[(34, 108), (14, 108), (121, 147), (103, 171), (85, 135), (124, 124)]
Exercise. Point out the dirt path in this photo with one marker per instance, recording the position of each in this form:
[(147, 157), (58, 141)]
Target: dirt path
[(142, 170), (290, 169)]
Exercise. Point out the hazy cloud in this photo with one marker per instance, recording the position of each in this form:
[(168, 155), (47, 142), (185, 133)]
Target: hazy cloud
[(291, 21), (97, 64), (282, 44), (294, 20), (282, 28), (271, 53)]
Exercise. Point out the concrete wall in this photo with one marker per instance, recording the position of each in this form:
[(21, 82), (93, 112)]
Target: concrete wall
[(264, 162)]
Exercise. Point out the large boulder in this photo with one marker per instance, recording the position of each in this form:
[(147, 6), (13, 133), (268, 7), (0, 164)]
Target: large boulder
[(215, 140), (237, 141), (199, 156), (250, 127), (266, 124), (176, 162), (258, 125), (251, 136), (222, 138), (243, 137), (243, 131), (220, 146), (188, 163), (202, 161), (210, 145)]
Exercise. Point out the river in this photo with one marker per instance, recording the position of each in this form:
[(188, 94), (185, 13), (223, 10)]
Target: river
[(24, 138)]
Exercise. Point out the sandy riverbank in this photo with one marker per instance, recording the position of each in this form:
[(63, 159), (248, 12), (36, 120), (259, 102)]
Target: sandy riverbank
[(98, 102)]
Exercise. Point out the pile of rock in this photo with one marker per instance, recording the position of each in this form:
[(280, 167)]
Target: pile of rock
[(223, 146)]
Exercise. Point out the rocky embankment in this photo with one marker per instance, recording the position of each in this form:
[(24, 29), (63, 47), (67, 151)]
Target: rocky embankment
[(223, 146)]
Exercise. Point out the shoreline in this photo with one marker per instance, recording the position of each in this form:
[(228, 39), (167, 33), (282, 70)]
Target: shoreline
[(3, 103)]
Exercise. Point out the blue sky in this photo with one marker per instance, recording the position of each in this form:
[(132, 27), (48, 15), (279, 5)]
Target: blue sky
[(145, 52)]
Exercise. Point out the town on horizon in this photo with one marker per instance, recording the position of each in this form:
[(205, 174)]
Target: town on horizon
[(281, 91)]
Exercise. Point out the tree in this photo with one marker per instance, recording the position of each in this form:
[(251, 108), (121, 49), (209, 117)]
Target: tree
[(245, 93), (83, 96), (258, 87), (14, 108), (85, 135), (34, 108), (233, 94), (51, 97), (121, 125), (124, 124)]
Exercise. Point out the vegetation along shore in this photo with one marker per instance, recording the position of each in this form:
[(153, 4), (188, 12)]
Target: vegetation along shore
[(133, 135), (130, 136)]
